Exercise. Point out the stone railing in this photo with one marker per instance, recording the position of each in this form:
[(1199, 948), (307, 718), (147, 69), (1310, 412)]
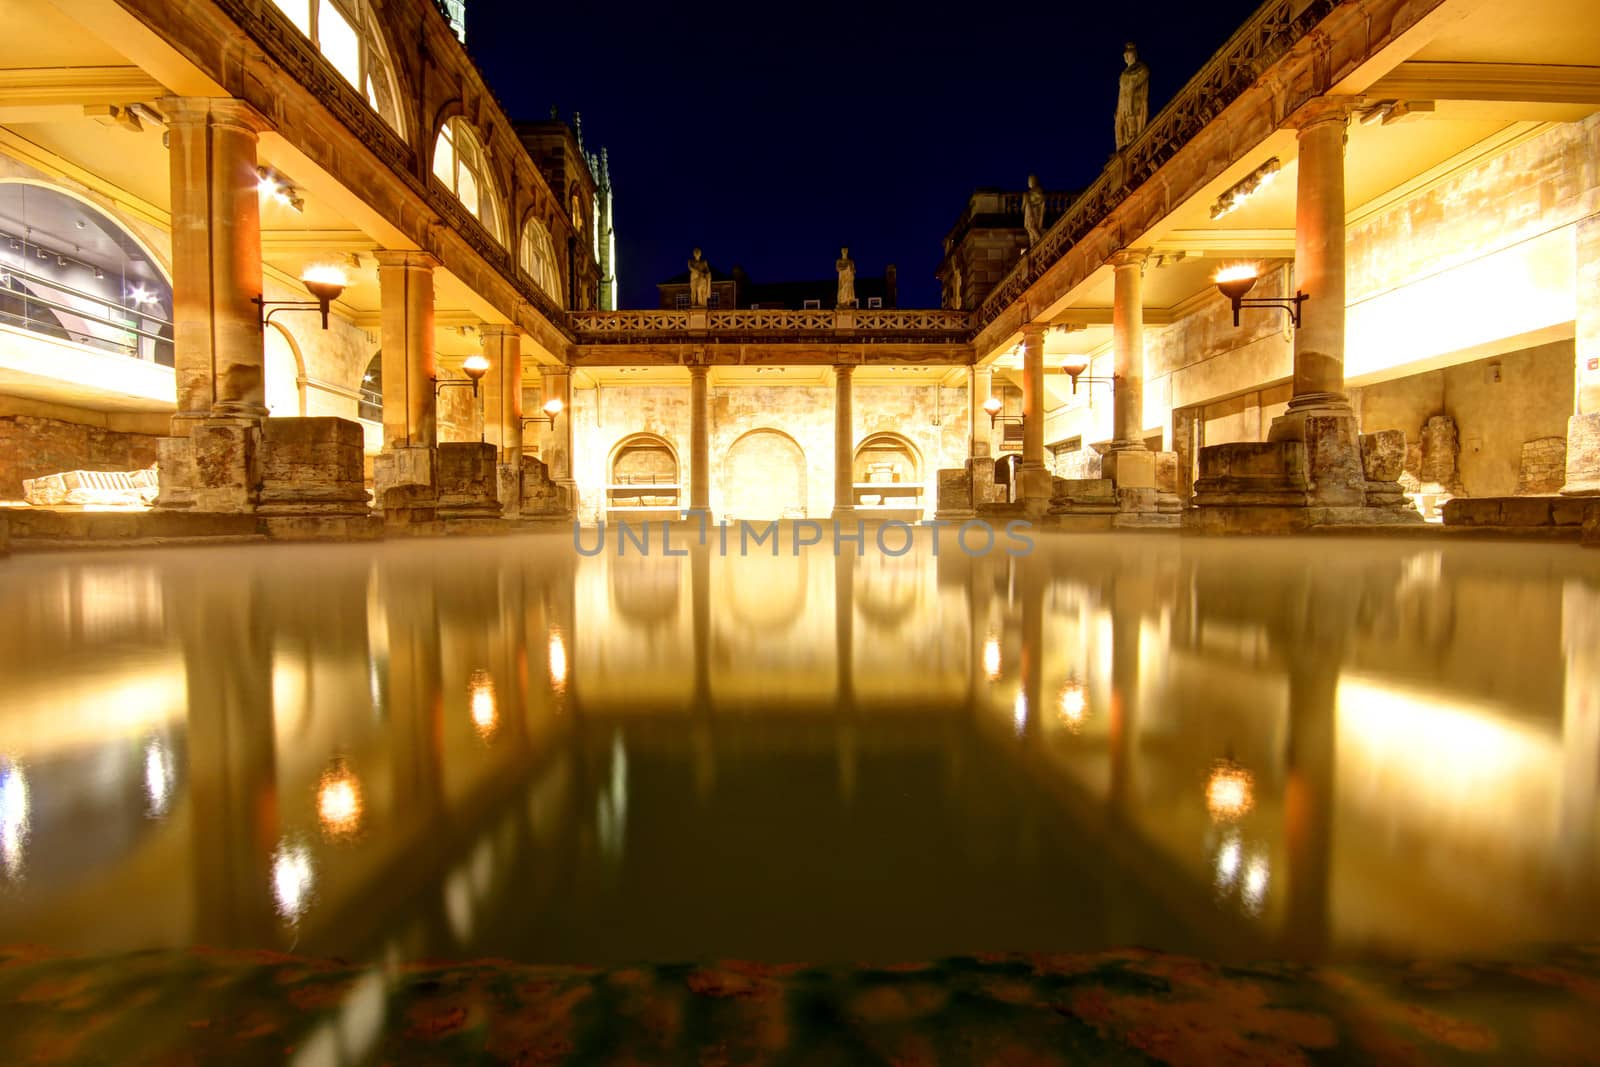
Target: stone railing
[(847, 324), (1268, 34)]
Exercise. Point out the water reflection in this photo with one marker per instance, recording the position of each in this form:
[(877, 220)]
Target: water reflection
[(1234, 749)]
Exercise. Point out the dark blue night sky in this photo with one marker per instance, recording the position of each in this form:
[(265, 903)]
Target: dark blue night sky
[(770, 135)]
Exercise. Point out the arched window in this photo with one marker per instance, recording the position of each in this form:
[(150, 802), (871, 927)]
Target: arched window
[(346, 33), (460, 163), (370, 406), (537, 257), (69, 272)]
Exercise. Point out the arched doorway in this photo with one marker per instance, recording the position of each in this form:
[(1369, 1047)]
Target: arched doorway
[(644, 475), (764, 477), (890, 467)]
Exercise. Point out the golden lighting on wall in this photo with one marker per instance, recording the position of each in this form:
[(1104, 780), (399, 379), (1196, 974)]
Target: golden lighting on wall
[(991, 657), (158, 778), (339, 802), (558, 660), (1230, 791), (1251, 184), (276, 187), (481, 704), (1074, 706)]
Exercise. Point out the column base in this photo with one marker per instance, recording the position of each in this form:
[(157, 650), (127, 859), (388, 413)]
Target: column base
[(1034, 484), (468, 481), (312, 467), (216, 468), (1583, 456), (403, 480)]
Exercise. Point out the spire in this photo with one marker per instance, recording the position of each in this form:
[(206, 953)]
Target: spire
[(605, 168), (577, 129)]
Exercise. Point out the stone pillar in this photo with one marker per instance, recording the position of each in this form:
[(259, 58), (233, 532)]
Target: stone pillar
[(405, 282), (404, 472), (844, 442), (1583, 429), (555, 440), (502, 408), (209, 462), (216, 257), (1034, 476), (700, 439), (1130, 465), (1319, 253), (982, 429)]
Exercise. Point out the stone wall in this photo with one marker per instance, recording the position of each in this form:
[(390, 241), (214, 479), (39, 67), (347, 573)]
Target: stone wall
[(1544, 466), (771, 446), (1498, 405), (31, 446)]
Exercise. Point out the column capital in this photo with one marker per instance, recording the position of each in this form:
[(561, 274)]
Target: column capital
[(1322, 110), (1034, 331), (844, 370), (699, 370), (215, 110), (1124, 258), (411, 259)]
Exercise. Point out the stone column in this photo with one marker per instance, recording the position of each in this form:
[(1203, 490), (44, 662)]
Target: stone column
[(555, 441), (982, 428), (216, 257), (502, 408), (1130, 465), (404, 472), (1319, 253), (1583, 429), (700, 439), (844, 442), (1034, 476), (210, 461), (1319, 413)]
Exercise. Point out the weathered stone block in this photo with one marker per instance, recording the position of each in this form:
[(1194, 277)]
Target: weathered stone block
[(1275, 460), (468, 481), (1529, 511), (1465, 511), (1167, 480), (541, 496), (510, 489), (312, 466), (1133, 468), (1383, 455), (1583, 455), (1543, 468), (175, 466), (5, 535), (954, 488), (1333, 457), (227, 470), (1086, 489), (1441, 453), (1567, 511)]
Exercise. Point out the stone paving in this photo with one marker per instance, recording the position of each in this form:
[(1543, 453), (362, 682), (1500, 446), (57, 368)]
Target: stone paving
[(1117, 1007)]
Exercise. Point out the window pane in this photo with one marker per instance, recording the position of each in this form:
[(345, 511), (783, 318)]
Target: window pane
[(338, 41), (467, 191), (444, 159), (299, 12)]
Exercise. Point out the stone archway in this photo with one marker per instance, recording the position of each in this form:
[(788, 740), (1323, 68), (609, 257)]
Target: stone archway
[(764, 477)]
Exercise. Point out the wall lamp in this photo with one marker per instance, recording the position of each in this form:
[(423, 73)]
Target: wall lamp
[(552, 408), (475, 366), (1074, 369), (993, 406), (324, 283), (1234, 282)]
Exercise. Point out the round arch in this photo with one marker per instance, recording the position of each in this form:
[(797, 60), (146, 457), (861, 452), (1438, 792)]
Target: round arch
[(887, 457), (284, 372), (461, 165), (643, 459), (72, 269), (764, 476)]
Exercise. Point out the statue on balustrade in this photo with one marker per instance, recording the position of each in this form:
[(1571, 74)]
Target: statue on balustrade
[(1133, 97), (699, 281), (1033, 211), (847, 278)]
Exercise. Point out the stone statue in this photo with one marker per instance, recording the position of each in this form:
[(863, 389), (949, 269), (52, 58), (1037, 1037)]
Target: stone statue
[(699, 281), (847, 278), (1133, 97), (1033, 211)]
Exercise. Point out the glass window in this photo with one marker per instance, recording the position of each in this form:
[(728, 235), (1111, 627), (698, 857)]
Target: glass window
[(461, 166), (338, 41), (299, 12), (537, 257)]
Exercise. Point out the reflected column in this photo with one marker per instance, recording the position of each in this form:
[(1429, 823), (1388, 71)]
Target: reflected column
[(844, 620), (405, 595), (1124, 725), (1308, 801), (844, 442), (1028, 711), (232, 758), (700, 581), (1580, 725)]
